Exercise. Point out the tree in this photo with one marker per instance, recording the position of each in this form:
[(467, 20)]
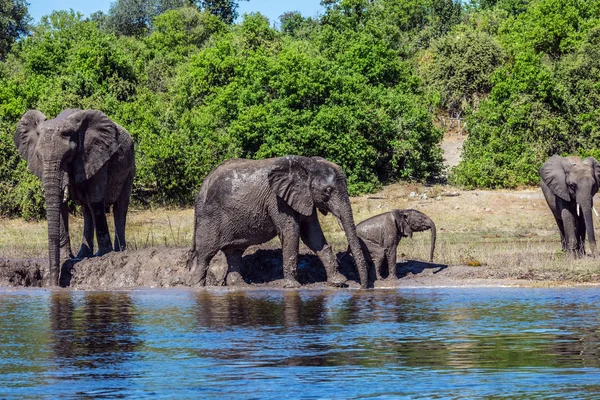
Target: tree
[(226, 9), (14, 23), (460, 68), (135, 17)]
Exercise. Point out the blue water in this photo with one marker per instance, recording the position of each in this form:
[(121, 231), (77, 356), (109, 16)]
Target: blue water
[(419, 343)]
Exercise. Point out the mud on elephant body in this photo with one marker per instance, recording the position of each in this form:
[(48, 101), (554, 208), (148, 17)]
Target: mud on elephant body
[(381, 234), (89, 158), (248, 202), (569, 185)]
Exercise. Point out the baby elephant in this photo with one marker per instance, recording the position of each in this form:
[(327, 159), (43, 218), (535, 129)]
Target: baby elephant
[(381, 234)]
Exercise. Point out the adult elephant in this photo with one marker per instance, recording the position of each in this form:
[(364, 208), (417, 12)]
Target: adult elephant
[(89, 155), (569, 186), (248, 202)]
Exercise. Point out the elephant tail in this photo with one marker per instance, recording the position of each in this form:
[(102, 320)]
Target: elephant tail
[(191, 257)]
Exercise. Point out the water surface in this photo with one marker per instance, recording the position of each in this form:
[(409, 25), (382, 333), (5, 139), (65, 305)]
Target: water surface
[(429, 343)]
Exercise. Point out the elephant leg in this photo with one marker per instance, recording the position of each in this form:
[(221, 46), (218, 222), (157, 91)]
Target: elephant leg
[(378, 260), (120, 216), (312, 235), (87, 244), (289, 237), (65, 239), (569, 226), (556, 205), (390, 256), (233, 277), (101, 225), (203, 250), (199, 266), (561, 228)]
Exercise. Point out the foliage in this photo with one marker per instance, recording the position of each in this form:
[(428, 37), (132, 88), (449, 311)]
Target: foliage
[(544, 100), (224, 9), (459, 66), (135, 17), (14, 20), (359, 85)]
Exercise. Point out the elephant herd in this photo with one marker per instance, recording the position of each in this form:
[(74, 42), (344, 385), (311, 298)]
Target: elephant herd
[(84, 156)]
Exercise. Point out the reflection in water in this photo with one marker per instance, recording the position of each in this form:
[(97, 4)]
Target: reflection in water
[(96, 333), (503, 342)]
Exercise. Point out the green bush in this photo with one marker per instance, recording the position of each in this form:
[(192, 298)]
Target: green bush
[(544, 100)]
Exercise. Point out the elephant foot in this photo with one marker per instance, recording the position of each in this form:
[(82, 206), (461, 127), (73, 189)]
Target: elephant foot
[(235, 279), (194, 280), (336, 280), (102, 252), (84, 252), (291, 283)]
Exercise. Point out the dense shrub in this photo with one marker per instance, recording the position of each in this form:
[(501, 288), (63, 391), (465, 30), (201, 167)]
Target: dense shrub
[(544, 100), (194, 91)]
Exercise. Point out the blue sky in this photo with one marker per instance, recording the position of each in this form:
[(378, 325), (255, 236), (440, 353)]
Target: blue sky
[(271, 8)]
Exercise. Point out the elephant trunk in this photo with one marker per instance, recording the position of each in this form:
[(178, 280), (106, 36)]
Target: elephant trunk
[(433, 239), (347, 220), (589, 228), (52, 189)]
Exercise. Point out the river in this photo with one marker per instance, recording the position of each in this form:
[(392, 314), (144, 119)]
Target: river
[(418, 343)]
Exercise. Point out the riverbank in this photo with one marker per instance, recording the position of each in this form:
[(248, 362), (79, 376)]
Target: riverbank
[(503, 237)]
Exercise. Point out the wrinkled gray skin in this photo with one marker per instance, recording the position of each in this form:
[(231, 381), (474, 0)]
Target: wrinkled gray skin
[(566, 182), (381, 235), (89, 158), (248, 202)]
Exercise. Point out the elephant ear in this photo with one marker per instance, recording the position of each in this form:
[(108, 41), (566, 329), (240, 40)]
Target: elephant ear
[(98, 140), (554, 176), (403, 224), (289, 180), (595, 167), (26, 138)]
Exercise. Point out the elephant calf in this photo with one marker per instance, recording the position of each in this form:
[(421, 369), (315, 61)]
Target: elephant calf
[(381, 234)]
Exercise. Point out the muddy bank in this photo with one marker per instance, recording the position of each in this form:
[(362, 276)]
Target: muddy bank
[(166, 267)]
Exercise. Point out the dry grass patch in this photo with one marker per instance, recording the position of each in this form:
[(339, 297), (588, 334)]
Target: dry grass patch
[(505, 234)]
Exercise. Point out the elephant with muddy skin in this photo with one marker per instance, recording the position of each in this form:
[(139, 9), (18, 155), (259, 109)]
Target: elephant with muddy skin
[(381, 234), (82, 155), (249, 202), (569, 185)]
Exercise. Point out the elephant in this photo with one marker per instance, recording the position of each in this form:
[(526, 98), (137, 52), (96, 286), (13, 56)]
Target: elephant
[(84, 156), (569, 186), (248, 202), (381, 234)]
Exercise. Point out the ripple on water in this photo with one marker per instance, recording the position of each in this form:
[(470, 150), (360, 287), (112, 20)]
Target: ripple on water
[(428, 343)]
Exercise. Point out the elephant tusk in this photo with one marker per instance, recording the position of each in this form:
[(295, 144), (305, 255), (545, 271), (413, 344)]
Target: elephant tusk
[(595, 212), (578, 209)]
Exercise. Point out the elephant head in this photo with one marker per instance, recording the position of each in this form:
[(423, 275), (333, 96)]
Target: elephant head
[(576, 182), (73, 146), (306, 183), (402, 224), (420, 222)]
